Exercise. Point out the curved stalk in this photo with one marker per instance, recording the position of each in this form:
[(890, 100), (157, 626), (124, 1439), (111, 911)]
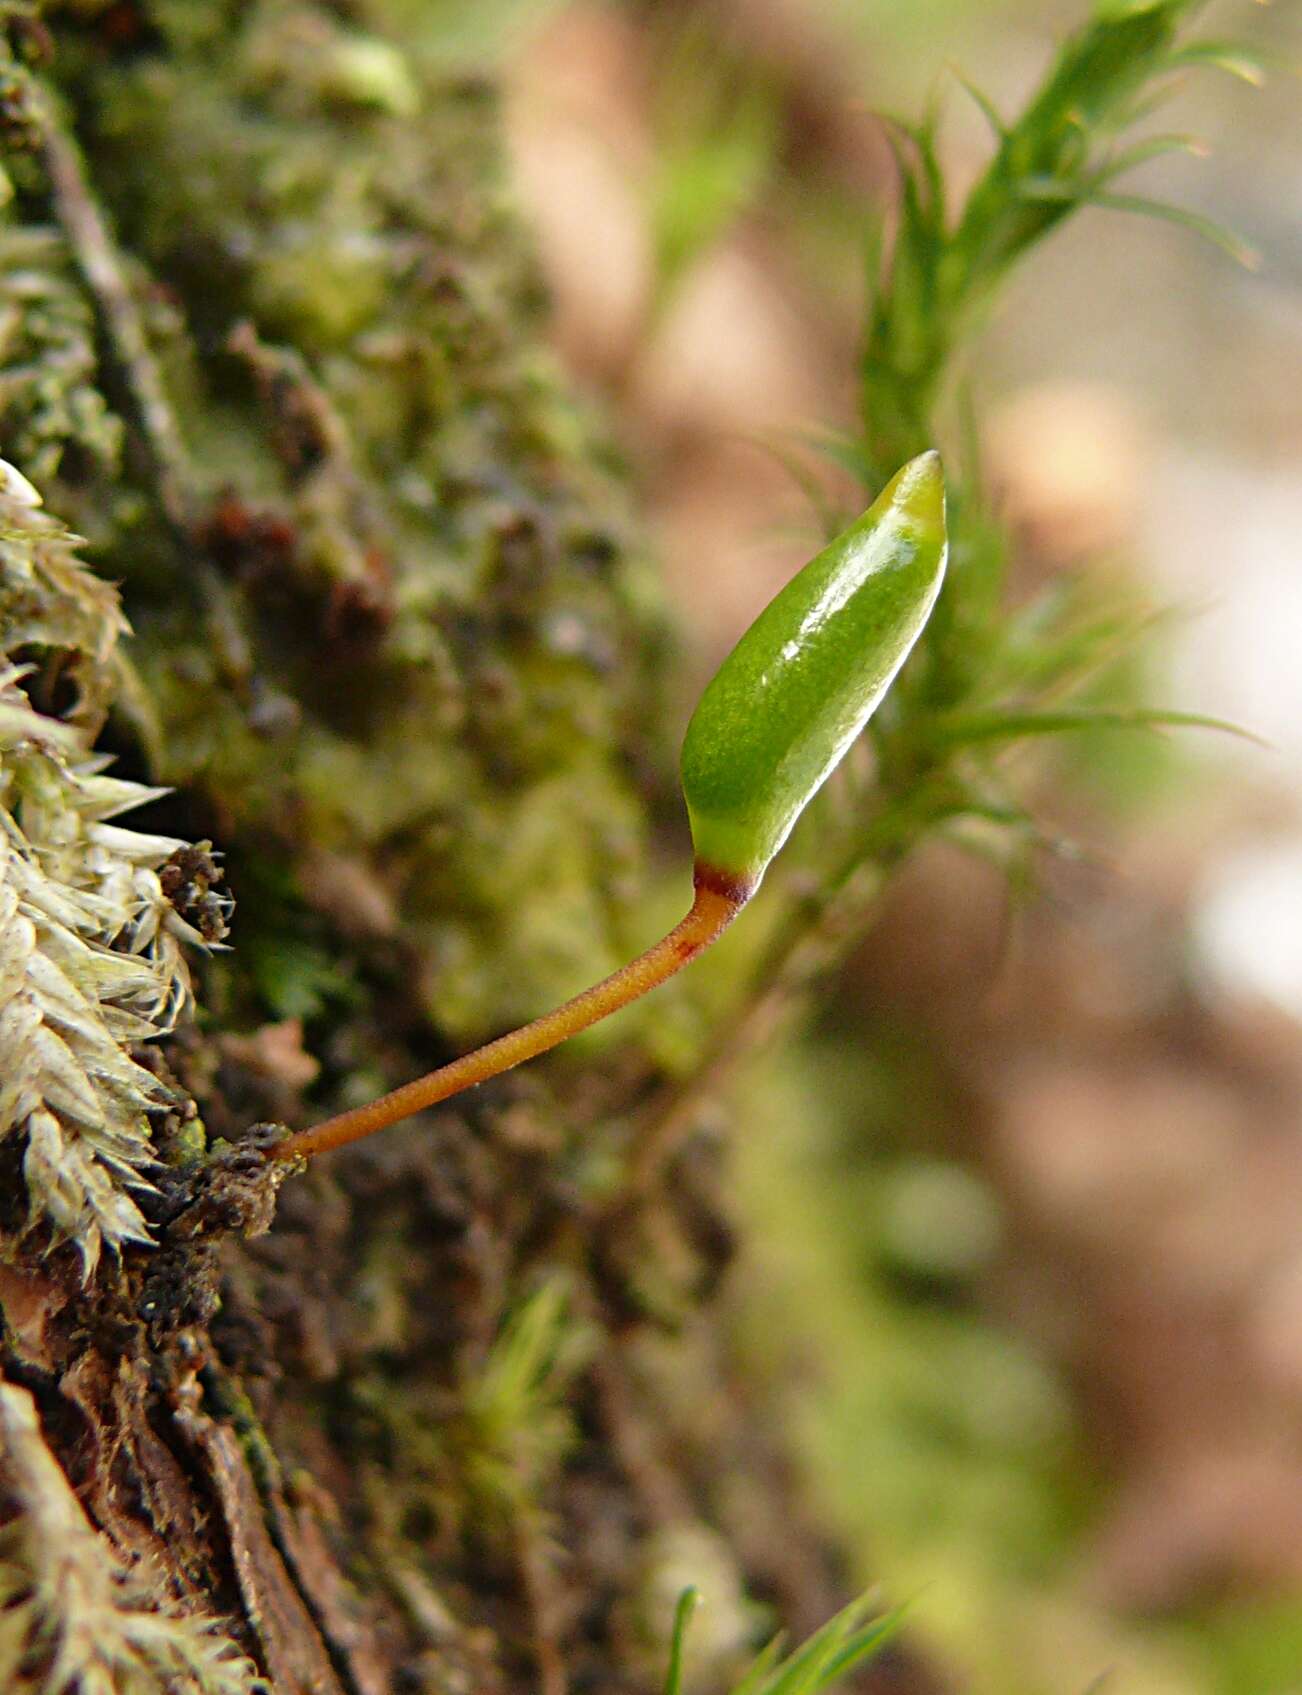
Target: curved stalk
[(770, 728), (718, 900)]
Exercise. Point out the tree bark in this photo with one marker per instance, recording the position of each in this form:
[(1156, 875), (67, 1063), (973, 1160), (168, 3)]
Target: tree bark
[(466, 1416)]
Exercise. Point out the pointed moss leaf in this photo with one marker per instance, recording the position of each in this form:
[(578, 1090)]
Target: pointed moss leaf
[(808, 674), (688, 1602)]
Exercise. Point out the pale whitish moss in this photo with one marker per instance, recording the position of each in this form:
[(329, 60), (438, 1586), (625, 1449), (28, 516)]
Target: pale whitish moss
[(73, 1619), (90, 949)]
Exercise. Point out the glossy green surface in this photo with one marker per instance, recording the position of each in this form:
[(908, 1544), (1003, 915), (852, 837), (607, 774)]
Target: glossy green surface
[(808, 674)]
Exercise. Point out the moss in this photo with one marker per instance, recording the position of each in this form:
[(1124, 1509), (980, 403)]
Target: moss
[(396, 656), (445, 651), (91, 960), (76, 1616), (52, 410)]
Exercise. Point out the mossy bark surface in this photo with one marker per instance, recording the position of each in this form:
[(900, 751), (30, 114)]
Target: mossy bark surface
[(465, 1417)]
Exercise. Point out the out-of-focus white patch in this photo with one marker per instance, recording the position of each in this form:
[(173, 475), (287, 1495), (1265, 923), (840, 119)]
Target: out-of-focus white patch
[(1222, 540), (16, 486), (1247, 925)]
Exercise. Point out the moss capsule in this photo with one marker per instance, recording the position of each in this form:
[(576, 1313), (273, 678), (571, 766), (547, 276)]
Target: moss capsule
[(805, 678), (783, 708)]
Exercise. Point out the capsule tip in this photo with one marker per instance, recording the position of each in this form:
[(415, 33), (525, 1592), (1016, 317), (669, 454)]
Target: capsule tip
[(918, 491)]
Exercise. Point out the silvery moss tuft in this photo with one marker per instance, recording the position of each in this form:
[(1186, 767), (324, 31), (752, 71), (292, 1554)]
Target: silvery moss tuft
[(75, 1617), (91, 956)]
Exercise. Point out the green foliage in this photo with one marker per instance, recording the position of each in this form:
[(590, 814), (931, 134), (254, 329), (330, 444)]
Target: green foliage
[(688, 1602), (1063, 151), (513, 1427), (474, 1467), (988, 677), (830, 1655)]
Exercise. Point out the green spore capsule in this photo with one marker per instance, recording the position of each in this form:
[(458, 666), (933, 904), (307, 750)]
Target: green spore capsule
[(787, 702), (808, 674)]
